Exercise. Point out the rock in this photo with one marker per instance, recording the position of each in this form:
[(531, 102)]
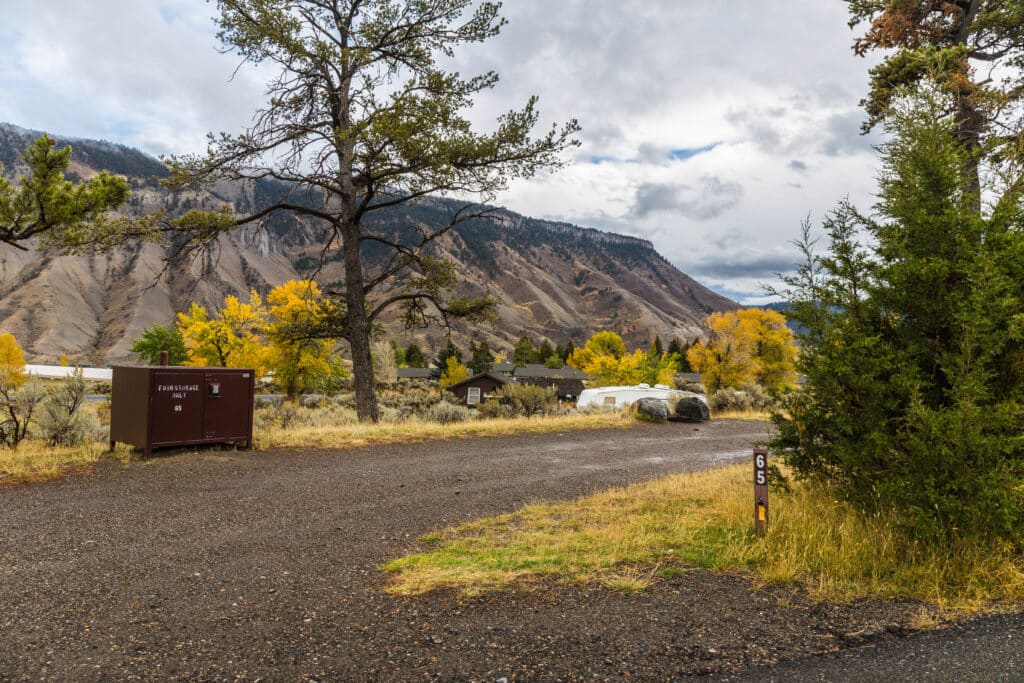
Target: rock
[(691, 409), (652, 410)]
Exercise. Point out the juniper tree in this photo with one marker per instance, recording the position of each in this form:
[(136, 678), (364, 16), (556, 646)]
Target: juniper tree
[(361, 117), (912, 342)]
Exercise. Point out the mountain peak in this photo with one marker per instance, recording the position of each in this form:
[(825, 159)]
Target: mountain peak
[(555, 280)]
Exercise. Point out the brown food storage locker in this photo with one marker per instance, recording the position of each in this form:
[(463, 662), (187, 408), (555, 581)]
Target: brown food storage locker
[(156, 406)]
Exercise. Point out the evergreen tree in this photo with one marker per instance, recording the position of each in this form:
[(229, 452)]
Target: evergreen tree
[(682, 361), (954, 48), (159, 338), (398, 352), (73, 217), (449, 350), (543, 352), (554, 362), (656, 348), (524, 352), (912, 342), (414, 358), (567, 351), (481, 359)]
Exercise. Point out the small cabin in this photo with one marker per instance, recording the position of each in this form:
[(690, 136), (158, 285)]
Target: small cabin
[(478, 388)]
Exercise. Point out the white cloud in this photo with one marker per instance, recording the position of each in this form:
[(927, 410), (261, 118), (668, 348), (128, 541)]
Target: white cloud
[(762, 95)]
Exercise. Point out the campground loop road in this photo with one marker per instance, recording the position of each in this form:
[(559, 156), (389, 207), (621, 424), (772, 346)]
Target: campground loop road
[(264, 566)]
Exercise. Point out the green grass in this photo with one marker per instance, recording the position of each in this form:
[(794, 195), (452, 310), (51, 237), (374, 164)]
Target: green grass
[(629, 537)]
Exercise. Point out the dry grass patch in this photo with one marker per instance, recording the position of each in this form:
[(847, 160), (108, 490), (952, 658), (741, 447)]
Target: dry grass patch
[(354, 435), (34, 461), (743, 415), (625, 537)]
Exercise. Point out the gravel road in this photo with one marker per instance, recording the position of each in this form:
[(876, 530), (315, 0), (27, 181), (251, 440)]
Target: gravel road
[(223, 565)]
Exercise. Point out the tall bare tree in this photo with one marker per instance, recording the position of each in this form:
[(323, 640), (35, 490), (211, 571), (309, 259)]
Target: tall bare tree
[(362, 117)]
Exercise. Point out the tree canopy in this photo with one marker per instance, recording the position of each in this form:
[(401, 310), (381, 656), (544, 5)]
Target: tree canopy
[(230, 338), (158, 338), (360, 117), (749, 346), (972, 51), (297, 361), (12, 361), (605, 360), (73, 217)]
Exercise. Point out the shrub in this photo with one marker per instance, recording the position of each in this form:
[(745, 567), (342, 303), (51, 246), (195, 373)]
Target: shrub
[(413, 400), (62, 422), (493, 408), (448, 413), (751, 397), (311, 401), (527, 400), (18, 405)]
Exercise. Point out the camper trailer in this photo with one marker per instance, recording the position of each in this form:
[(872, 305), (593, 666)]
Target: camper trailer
[(620, 397)]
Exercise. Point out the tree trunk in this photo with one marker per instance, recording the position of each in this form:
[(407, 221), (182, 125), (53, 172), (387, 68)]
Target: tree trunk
[(358, 328), (970, 122)]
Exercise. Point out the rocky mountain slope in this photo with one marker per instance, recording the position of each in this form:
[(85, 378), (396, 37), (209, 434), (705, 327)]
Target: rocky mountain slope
[(555, 281)]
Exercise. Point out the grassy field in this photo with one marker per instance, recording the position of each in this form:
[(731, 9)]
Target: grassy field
[(627, 538)]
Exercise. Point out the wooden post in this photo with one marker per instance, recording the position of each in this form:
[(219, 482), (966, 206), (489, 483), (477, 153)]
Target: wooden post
[(760, 490), (164, 357)]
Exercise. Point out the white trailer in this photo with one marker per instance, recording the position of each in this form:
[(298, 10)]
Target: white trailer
[(620, 397)]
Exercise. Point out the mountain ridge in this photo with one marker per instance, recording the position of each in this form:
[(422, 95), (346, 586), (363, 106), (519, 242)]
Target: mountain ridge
[(554, 280)]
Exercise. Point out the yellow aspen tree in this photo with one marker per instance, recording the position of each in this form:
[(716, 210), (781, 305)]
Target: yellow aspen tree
[(231, 339), (749, 346), (12, 361), (454, 373), (298, 361)]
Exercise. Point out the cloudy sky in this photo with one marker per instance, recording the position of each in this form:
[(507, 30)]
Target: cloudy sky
[(710, 128)]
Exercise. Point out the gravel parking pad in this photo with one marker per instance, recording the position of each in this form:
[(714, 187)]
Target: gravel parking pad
[(220, 565)]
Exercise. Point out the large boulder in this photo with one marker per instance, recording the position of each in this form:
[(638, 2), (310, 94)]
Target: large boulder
[(690, 409), (652, 410)]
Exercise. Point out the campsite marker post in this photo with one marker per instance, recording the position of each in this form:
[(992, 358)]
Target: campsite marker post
[(760, 490)]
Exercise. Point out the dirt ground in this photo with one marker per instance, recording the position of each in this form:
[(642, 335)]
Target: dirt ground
[(220, 565)]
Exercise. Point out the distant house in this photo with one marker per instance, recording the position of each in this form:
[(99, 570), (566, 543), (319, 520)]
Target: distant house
[(567, 381), (415, 373), (504, 368), (477, 388)]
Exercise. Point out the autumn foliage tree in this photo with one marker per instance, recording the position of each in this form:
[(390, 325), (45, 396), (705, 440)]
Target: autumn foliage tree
[(231, 338), (605, 360), (749, 346), (19, 396), (298, 362), (12, 361), (454, 372), (361, 117)]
